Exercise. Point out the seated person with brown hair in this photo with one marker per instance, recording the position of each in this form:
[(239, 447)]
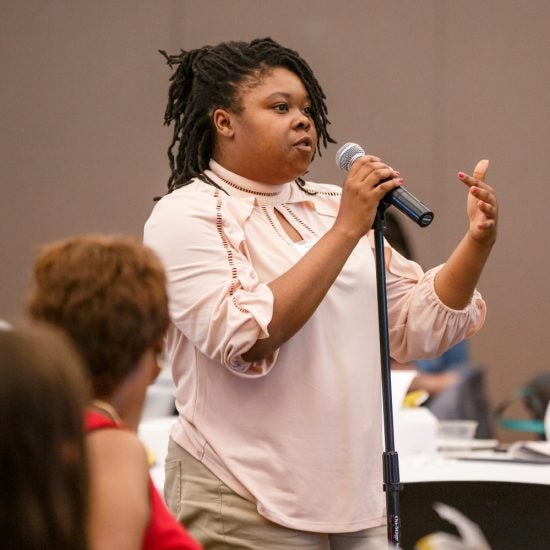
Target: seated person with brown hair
[(109, 295), (440, 373), (455, 388), (43, 474)]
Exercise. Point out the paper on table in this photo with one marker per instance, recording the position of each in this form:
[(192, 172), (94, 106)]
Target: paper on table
[(415, 428), (538, 451), (400, 382), (528, 452)]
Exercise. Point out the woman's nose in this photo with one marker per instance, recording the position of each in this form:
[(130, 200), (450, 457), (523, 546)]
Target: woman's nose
[(302, 121)]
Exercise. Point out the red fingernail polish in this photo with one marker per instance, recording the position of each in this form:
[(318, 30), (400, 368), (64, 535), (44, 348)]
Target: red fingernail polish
[(473, 190), (461, 175)]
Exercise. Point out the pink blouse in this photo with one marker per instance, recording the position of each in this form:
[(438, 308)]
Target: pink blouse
[(298, 433)]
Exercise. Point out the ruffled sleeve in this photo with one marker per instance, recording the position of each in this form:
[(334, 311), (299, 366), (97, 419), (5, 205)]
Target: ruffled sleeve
[(421, 326), (216, 298)]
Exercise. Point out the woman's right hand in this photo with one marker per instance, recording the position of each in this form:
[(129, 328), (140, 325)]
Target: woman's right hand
[(299, 291), (368, 181)]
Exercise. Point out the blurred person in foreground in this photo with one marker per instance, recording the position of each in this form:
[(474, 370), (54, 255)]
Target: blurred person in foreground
[(109, 295), (43, 474)]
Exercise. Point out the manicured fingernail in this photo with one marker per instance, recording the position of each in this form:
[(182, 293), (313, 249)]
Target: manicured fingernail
[(397, 173), (473, 190), (461, 175)]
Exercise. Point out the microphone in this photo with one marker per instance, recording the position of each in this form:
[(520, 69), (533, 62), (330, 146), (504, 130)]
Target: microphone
[(399, 197)]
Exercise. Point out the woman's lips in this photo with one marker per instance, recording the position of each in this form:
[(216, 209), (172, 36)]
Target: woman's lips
[(304, 144)]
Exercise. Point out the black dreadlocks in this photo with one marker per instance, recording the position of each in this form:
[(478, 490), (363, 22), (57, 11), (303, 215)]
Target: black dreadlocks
[(208, 78)]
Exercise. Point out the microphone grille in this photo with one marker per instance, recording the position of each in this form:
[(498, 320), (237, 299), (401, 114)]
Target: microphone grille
[(348, 154)]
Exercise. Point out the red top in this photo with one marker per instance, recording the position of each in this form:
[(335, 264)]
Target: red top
[(163, 532)]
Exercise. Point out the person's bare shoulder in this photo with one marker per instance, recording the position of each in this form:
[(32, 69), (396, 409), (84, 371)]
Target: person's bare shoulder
[(116, 446), (119, 489)]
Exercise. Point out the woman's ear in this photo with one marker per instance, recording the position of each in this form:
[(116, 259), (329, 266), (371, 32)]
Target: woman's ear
[(223, 122)]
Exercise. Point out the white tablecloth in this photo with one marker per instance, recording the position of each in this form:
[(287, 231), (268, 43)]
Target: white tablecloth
[(413, 467)]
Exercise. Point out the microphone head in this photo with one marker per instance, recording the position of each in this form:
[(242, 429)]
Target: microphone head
[(348, 154)]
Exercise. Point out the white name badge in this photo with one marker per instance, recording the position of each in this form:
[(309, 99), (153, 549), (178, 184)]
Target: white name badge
[(303, 246)]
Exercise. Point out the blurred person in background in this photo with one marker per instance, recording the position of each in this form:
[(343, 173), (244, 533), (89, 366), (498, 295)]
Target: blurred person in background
[(449, 385), (439, 373), (108, 294), (43, 472)]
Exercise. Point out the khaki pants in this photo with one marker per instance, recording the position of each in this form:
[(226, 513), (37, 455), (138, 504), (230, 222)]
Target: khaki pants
[(220, 519)]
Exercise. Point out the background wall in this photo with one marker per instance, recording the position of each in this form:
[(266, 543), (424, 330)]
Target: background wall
[(431, 86)]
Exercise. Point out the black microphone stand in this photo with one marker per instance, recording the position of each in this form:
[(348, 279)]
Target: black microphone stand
[(392, 484)]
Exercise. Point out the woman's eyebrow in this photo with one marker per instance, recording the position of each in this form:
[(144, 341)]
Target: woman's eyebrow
[(286, 95)]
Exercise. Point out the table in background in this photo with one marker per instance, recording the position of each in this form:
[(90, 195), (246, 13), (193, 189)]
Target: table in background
[(509, 501)]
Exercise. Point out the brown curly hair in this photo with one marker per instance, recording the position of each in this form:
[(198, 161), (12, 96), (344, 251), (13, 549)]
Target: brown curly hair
[(109, 294)]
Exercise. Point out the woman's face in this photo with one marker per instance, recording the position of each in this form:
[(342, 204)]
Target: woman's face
[(273, 138)]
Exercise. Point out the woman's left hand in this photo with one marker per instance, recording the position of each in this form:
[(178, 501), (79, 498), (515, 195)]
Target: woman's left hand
[(456, 281), (482, 205)]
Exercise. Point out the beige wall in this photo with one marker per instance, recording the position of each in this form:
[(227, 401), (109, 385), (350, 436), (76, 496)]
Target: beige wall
[(430, 85)]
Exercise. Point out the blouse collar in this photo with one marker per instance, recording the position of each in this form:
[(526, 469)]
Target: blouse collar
[(257, 192)]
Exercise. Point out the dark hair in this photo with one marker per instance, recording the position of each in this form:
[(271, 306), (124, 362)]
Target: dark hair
[(208, 78), (43, 468), (109, 295)]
